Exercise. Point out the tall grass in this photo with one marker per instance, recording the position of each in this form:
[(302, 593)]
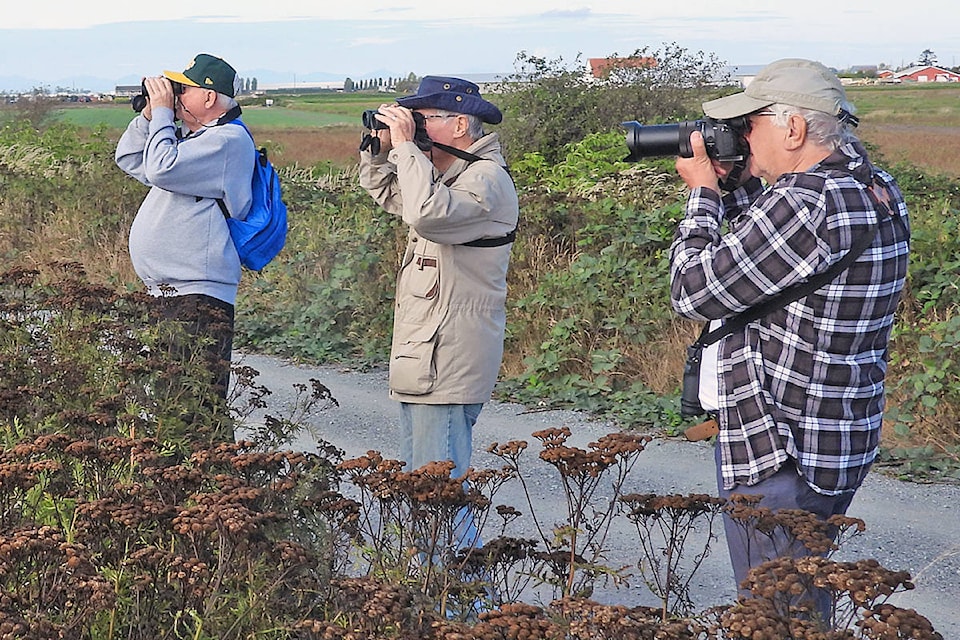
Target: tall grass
[(589, 324)]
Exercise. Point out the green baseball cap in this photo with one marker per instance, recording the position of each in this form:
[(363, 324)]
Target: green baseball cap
[(792, 81), (208, 72)]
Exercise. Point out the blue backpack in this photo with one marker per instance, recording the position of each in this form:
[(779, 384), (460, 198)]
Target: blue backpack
[(261, 236)]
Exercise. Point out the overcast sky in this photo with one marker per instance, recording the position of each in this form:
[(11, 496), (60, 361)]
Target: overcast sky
[(69, 42)]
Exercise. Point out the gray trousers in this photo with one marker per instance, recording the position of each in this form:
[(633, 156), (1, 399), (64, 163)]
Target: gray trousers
[(784, 490)]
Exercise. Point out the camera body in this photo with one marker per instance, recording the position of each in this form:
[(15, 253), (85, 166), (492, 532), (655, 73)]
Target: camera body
[(724, 139), (139, 101)]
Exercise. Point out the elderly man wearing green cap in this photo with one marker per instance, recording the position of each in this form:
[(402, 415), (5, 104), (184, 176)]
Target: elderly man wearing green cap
[(446, 178), (798, 392), (180, 244)]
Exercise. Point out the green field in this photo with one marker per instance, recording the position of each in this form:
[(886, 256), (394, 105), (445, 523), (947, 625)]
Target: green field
[(117, 117), (924, 105), (915, 104), (315, 110)]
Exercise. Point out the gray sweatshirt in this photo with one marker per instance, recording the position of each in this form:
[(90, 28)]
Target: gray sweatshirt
[(179, 241)]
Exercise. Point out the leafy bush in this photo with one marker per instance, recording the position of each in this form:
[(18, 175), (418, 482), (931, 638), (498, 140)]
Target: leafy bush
[(924, 407), (38, 108), (552, 103), (63, 199), (598, 226), (329, 297)]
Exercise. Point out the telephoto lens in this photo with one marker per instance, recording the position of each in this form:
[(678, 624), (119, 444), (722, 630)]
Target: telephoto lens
[(652, 140), (723, 139)]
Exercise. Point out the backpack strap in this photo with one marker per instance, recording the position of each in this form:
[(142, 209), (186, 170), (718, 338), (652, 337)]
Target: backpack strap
[(233, 115), (230, 116)]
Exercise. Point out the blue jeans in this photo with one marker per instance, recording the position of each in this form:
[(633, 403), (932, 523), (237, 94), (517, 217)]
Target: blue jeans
[(786, 489), (438, 432)]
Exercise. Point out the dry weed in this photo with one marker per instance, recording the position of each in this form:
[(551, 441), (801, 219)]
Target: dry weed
[(337, 145), (934, 148)]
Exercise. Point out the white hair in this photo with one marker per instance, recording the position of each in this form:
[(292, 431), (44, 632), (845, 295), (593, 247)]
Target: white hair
[(225, 102), (474, 124), (822, 128)]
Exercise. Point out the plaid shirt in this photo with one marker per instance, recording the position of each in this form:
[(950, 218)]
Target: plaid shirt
[(806, 381)]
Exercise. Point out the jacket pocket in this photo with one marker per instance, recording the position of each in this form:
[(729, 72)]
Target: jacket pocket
[(413, 370), (423, 277)]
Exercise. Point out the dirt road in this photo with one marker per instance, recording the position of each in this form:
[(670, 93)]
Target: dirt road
[(910, 527)]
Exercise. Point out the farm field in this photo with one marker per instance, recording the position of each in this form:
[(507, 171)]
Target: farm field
[(302, 131), (116, 116), (918, 124)]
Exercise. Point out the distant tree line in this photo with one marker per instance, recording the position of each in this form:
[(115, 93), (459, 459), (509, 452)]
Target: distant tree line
[(927, 58), (398, 84), (248, 85)]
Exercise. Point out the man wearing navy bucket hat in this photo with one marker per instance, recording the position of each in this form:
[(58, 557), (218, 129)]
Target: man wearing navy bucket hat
[(435, 167)]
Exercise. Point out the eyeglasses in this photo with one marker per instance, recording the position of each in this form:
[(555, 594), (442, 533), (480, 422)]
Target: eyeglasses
[(748, 119), (440, 115)]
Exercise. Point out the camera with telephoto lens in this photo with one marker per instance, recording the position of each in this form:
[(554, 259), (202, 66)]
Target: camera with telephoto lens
[(139, 101), (724, 139)]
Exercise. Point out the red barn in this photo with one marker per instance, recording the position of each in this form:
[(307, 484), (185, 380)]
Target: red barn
[(927, 73)]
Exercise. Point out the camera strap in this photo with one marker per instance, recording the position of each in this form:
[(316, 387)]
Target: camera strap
[(229, 116), (465, 155), (882, 206), (471, 158), (733, 178)]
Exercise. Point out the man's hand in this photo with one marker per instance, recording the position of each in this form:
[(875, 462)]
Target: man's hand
[(701, 170), (160, 93), (400, 121)]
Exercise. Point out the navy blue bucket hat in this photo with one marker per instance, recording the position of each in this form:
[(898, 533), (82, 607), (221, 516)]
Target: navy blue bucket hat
[(452, 94)]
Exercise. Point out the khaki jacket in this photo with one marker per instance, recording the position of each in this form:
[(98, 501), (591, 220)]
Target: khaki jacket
[(450, 316)]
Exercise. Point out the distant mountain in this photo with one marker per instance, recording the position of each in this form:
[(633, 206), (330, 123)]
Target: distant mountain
[(269, 76), (92, 84), (14, 84)]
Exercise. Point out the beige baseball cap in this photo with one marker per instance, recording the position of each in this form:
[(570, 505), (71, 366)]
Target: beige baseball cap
[(799, 83)]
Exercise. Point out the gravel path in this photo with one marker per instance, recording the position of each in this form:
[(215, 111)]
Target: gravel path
[(912, 527)]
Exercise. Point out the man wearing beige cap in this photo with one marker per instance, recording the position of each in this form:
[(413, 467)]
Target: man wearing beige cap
[(798, 392)]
